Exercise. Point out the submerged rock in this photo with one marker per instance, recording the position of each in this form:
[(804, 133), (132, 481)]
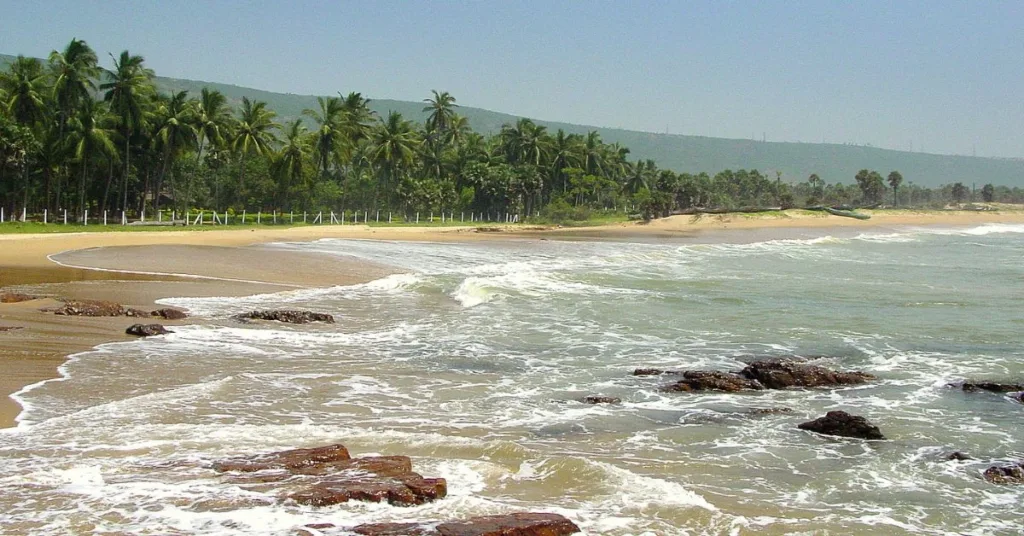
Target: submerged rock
[(597, 399), (521, 524), (769, 411), (16, 297), (654, 372), (991, 387), (287, 316), (841, 423), (1019, 397), (169, 314), (9, 328), (1005, 474), (697, 380), (96, 308), (146, 330), (958, 456), (784, 373), (286, 459)]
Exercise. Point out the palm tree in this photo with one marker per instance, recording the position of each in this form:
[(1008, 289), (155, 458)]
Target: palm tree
[(442, 112), (127, 89), (289, 161), (593, 155), (89, 138), (356, 117), (393, 146), (329, 135), (73, 71), (526, 142), (253, 134), (175, 133), (895, 179), (24, 85), (212, 122), (565, 153)]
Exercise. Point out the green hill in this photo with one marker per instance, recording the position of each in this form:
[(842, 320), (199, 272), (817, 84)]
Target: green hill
[(796, 161)]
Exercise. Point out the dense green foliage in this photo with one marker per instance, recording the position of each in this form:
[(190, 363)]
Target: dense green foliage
[(80, 137)]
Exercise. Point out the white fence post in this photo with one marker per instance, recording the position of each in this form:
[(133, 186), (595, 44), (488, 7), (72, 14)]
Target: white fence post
[(389, 217), (85, 220), (44, 216), (1, 214), (124, 218), (417, 217), (243, 216), (24, 214), (65, 216), (104, 218), (378, 216)]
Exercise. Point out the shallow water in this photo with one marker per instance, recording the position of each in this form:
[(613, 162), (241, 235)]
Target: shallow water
[(472, 361)]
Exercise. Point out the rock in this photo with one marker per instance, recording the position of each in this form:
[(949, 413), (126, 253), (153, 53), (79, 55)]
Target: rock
[(147, 330), (769, 411), (597, 399), (957, 456), (290, 317), (372, 479), (287, 459), (96, 308), (520, 524), (15, 297), (697, 380), (653, 372), (1019, 397), (169, 314), (992, 387), (783, 373), (1005, 474), (9, 328), (841, 423)]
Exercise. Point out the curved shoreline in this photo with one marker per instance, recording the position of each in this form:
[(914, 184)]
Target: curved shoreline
[(203, 263)]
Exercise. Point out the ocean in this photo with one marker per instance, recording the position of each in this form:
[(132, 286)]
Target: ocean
[(473, 359)]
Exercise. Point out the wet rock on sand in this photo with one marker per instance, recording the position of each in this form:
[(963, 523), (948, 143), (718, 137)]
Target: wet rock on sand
[(285, 459), (9, 328), (15, 297), (96, 308), (522, 524), (597, 399), (696, 380), (1005, 474), (841, 423), (287, 316), (654, 372), (783, 373), (146, 330), (169, 314)]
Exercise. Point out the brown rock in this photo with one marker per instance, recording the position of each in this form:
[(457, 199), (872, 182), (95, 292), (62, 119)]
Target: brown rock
[(992, 387), (597, 399), (770, 411), (376, 480), (653, 372), (147, 330), (287, 316), (15, 297), (9, 328), (782, 374), (958, 456), (697, 380), (521, 524), (841, 423), (169, 314), (96, 308), (291, 460), (1005, 474)]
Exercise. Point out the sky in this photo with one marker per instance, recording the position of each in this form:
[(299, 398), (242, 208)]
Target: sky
[(933, 76)]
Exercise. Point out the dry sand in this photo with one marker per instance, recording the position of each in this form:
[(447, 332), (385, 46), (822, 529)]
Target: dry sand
[(231, 263)]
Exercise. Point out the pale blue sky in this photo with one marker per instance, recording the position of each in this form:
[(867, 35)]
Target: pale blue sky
[(944, 76)]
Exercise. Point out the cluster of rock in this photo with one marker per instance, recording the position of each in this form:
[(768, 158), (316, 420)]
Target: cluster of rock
[(146, 330), (328, 475), (97, 308), (759, 375), (15, 297), (9, 328), (287, 316), (841, 423)]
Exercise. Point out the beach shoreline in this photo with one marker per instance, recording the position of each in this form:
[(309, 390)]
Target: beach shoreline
[(137, 269)]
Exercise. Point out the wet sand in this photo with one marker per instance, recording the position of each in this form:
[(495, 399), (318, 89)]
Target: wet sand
[(138, 268)]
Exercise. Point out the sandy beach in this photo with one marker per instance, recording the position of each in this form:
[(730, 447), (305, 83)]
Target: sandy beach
[(138, 268)]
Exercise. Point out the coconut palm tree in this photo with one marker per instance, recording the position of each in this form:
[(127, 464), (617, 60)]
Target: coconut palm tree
[(90, 140), (442, 112), (24, 85), (566, 151), (289, 161), (356, 118), (393, 147), (175, 132), (895, 179), (329, 136), (253, 134), (72, 71), (128, 88), (593, 154), (524, 143), (212, 121)]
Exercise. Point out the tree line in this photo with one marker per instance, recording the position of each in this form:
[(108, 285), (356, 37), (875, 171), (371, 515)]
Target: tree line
[(78, 136)]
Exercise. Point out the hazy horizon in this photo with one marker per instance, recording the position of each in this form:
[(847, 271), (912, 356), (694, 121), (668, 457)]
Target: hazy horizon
[(785, 72)]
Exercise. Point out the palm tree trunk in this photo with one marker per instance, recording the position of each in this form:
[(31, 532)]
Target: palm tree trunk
[(106, 189), (127, 160), (160, 179), (81, 189), (241, 177)]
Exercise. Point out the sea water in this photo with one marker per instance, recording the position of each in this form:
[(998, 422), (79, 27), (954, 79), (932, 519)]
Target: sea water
[(472, 361)]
